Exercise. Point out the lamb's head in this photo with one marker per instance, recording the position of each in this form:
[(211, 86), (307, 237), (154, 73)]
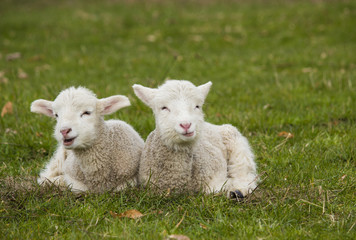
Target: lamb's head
[(177, 106), (79, 115)]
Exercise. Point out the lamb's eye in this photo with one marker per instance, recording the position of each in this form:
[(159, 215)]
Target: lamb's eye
[(56, 115), (86, 113), (164, 108), (197, 107)]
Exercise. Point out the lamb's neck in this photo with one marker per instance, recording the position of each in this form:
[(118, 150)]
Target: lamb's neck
[(96, 148)]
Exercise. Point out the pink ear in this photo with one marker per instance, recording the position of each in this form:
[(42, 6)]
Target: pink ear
[(144, 93), (205, 88), (112, 104), (43, 107)]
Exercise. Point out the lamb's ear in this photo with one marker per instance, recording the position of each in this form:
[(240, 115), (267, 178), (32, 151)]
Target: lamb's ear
[(144, 93), (204, 89), (43, 107), (112, 104)]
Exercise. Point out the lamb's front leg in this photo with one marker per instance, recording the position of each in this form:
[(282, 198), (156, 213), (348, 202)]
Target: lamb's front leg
[(73, 176), (53, 172), (242, 176), (75, 185)]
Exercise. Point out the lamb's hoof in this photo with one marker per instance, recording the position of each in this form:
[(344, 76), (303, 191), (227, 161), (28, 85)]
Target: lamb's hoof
[(236, 195)]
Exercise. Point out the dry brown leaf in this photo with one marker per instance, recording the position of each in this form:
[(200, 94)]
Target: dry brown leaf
[(39, 134), (343, 177), (178, 237), (133, 213), (285, 134), (21, 74), (203, 226), (13, 56), (7, 109)]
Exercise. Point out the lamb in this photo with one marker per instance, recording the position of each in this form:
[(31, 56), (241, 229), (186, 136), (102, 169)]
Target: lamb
[(92, 154), (187, 154)]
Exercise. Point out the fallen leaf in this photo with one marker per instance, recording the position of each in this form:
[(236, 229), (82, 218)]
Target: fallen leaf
[(39, 134), (178, 237), (133, 213), (203, 226), (13, 56), (343, 177), (7, 109), (285, 134), (21, 74)]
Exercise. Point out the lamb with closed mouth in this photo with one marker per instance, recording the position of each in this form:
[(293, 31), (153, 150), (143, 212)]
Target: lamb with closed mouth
[(187, 154)]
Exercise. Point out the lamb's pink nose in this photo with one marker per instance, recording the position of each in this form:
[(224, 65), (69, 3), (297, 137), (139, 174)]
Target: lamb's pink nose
[(65, 131), (185, 126)]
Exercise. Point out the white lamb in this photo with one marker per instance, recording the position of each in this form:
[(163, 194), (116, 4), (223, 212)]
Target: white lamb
[(186, 153), (92, 154)]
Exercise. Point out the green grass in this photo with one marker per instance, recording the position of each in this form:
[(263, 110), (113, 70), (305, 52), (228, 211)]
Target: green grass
[(275, 66)]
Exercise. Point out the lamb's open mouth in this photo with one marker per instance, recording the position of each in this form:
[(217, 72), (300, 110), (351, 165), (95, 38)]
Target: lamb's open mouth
[(68, 141), (188, 134)]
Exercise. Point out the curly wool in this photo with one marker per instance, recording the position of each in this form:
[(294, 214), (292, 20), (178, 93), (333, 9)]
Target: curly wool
[(110, 162), (104, 155), (216, 158)]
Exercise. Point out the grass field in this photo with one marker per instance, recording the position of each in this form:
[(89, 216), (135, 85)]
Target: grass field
[(276, 66)]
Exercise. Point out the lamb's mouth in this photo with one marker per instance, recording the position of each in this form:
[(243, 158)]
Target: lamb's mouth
[(68, 141), (188, 134)]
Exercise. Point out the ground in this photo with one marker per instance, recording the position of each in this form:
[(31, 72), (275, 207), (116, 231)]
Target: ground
[(283, 72)]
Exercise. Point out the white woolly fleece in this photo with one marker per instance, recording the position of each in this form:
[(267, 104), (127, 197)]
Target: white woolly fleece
[(186, 153), (92, 154)]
